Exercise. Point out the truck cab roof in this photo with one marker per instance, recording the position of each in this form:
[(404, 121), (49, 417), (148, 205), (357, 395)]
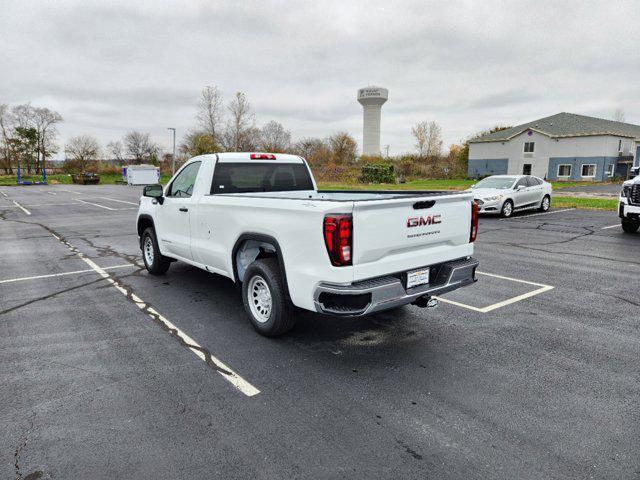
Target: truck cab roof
[(237, 157)]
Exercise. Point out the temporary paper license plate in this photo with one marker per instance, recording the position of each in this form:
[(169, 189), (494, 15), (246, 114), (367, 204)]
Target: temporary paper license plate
[(417, 277)]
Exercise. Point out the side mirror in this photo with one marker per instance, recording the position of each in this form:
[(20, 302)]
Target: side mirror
[(153, 191), (520, 187)]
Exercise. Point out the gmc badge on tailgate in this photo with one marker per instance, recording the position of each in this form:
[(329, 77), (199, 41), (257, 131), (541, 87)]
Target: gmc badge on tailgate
[(422, 221)]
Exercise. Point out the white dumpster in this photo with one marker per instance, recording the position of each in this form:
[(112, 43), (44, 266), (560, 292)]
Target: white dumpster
[(142, 174)]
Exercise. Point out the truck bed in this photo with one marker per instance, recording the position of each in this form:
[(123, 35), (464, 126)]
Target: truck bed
[(347, 195)]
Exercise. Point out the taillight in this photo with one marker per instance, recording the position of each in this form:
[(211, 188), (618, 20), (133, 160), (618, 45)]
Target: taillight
[(474, 222), (262, 156), (338, 238)]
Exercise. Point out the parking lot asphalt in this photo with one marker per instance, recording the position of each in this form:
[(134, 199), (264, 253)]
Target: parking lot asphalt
[(530, 373)]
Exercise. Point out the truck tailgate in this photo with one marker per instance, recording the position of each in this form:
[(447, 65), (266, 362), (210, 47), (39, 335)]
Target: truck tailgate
[(397, 235)]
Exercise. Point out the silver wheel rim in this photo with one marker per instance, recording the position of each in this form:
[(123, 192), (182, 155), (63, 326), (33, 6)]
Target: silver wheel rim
[(545, 203), (148, 251), (259, 299), (507, 209)]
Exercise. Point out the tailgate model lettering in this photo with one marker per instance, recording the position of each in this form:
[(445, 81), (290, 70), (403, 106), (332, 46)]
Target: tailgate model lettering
[(422, 221)]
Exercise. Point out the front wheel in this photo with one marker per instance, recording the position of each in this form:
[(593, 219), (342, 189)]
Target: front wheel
[(545, 204), (507, 209), (630, 226), (265, 298), (156, 263)]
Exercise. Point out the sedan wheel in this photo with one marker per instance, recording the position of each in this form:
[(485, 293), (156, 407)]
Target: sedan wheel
[(507, 209), (545, 204)]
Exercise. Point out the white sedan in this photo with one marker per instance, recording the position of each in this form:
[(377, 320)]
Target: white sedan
[(505, 194)]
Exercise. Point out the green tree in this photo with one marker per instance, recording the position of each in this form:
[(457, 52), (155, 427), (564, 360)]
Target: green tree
[(25, 144), (198, 143)]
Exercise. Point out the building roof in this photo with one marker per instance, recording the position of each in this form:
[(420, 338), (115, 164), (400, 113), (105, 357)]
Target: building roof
[(565, 125)]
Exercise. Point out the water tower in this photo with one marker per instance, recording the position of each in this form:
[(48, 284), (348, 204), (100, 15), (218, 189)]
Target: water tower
[(371, 99)]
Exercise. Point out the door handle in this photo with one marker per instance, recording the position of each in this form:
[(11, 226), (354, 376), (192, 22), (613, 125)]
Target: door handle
[(183, 209)]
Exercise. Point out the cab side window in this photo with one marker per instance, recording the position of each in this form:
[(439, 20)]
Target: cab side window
[(182, 185)]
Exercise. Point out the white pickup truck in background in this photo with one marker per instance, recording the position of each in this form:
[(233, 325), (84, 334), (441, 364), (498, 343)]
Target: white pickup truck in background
[(629, 206), (258, 219)]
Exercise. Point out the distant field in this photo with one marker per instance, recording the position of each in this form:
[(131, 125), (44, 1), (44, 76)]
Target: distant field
[(60, 178)]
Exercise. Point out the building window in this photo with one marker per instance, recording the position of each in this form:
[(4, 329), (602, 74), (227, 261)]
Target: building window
[(610, 168), (529, 147), (589, 170), (620, 145), (564, 170), (526, 169)]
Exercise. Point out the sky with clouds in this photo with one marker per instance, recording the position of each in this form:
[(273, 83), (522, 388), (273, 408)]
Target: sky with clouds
[(109, 67)]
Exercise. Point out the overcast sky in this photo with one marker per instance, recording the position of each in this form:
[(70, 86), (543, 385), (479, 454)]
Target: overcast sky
[(109, 67)]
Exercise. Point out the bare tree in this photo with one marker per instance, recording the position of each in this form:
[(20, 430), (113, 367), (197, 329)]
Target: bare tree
[(140, 147), (240, 133), (315, 150), (618, 115), (116, 150), (197, 143), (274, 138), (80, 151), (210, 112), (344, 148), (428, 137)]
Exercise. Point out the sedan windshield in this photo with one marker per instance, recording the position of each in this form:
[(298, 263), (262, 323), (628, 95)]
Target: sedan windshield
[(495, 182)]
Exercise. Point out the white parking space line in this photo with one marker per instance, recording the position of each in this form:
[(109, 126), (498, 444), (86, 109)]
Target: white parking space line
[(227, 373), (116, 200), (71, 191), (4, 194), (22, 208), (95, 204), (617, 225), (52, 193), (37, 277), (542, 288), (48, 204), (543, 213)]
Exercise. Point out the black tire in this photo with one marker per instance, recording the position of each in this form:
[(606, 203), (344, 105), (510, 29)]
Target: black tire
[(160, 263), (545, 206), (508, 211), (630, 226), (279, 317)]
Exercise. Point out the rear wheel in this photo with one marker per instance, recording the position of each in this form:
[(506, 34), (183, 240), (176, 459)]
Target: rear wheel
[(266, 299), (545, 204), (630, 226), (507, 209), (156, 263)]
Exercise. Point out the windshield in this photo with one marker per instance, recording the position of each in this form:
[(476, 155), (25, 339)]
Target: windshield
[(495, 182)]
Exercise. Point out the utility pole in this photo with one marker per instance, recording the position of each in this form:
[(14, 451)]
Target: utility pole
[(386, 149), (173, 158)]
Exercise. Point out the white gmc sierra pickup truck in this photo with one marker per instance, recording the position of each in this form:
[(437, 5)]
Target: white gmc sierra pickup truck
[(259, 219), (629, 207)]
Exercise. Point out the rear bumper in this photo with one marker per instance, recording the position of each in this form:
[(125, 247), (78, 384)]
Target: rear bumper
[(382, 293)]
